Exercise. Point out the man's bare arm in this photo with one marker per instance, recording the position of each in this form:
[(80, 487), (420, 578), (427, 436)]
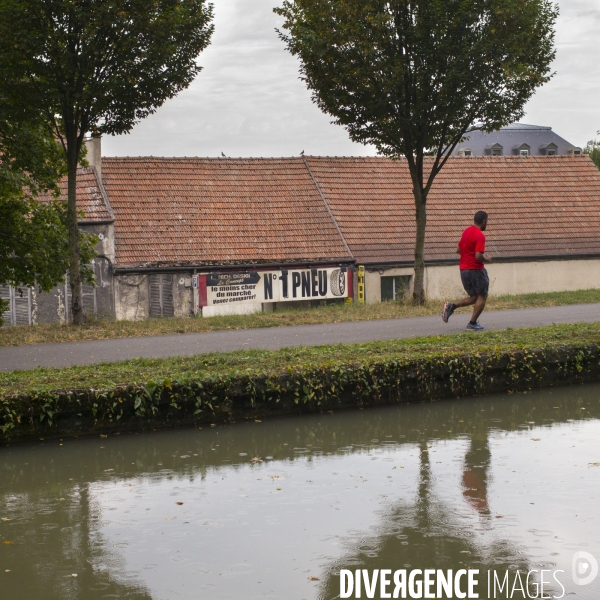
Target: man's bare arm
[(482, 258)]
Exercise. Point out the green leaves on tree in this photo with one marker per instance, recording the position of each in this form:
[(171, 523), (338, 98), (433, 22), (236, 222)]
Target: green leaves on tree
[(96, 66), (411, 76), (593, 151)]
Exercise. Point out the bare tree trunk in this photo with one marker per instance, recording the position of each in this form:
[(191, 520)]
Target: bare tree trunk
[(421, 223), (77, 312)]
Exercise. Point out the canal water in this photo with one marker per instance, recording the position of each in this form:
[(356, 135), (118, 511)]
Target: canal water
[(507, 485)]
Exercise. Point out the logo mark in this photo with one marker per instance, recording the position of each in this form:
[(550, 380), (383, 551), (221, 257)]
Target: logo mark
[(585, 568)]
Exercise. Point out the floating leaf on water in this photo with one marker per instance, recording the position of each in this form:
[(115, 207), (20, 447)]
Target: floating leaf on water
[(179, 503), (313, 578), (589, 465), (535, 439), (8, 543)]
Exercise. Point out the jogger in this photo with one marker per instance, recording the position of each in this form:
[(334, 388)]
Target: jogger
[(473, 274)]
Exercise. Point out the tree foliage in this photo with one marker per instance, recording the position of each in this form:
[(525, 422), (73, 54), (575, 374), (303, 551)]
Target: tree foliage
[(411, 76), (96, 66), (33, 235), (593, 151), (34, 247)]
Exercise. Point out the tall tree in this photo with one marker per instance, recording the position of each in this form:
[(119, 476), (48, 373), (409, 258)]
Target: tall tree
[(33, 234), (411, 76), (97, 66)]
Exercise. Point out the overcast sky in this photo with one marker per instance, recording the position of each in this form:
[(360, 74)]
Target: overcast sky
[(248, 100)]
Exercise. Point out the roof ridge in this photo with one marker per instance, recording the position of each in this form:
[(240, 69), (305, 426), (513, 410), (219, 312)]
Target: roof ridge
[(103, 192), (320, 157), (335, 223)]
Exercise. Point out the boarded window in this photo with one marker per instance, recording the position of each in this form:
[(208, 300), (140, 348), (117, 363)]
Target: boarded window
[(19, 305), (395, 288), (161, 295)]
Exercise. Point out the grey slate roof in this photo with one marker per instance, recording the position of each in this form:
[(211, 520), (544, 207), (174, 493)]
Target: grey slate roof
[(512, 137)]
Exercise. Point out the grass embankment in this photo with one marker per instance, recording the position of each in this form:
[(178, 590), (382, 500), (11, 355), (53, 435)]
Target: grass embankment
[(248, 384), (108, 328)]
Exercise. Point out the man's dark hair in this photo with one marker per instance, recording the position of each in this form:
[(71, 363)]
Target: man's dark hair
[(480, 217)]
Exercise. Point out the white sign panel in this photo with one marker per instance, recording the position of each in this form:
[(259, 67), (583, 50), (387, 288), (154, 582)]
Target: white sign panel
[(285, 285)]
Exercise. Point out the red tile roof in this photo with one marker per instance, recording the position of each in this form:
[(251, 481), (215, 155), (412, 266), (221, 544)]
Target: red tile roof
[(91, 197), (538, 206), (193, 211)]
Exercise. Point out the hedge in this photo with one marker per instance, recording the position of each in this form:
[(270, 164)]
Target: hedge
[(256, 393)]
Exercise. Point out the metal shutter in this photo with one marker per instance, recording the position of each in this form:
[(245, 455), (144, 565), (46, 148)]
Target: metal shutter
[(167, 296), (161, 295), (19, 305), (5, 294), (22, 310), (154, 282)]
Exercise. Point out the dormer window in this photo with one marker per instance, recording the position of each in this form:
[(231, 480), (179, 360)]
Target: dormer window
[(549, 149), (575, 151), (495, 150), (465, 152), (522, 150)]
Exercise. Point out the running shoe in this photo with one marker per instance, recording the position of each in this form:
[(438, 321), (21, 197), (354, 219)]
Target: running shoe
[(447, 312), (474, 327)]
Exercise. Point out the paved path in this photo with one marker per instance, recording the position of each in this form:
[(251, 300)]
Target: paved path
[(89, 352)]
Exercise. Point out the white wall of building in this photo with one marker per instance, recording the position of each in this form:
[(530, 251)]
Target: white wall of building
[(443, 282), (235, 309)]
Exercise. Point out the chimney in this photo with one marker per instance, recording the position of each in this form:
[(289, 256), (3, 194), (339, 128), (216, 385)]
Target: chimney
[(94, 154)]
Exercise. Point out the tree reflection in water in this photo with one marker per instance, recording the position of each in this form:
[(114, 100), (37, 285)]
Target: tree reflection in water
[(65, 557), (428, 534)]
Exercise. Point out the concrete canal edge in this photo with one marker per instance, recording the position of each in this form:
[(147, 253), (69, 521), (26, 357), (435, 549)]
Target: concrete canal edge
[(215, 399)]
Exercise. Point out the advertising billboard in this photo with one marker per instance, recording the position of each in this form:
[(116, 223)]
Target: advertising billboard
[(250, 289)]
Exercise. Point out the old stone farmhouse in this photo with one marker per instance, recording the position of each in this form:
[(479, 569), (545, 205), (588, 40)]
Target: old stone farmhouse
[(185, 236)]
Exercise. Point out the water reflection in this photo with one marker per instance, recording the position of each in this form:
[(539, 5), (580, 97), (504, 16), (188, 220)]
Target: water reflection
[(275, 509), (430, 534)]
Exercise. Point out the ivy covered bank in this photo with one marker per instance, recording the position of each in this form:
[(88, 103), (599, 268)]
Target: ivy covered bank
[(216, 388)]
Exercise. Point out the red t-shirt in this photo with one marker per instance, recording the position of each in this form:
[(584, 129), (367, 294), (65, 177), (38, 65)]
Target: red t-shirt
[(472, 241)]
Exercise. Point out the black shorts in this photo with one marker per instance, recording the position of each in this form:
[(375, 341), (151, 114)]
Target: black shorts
[(476, 282)]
